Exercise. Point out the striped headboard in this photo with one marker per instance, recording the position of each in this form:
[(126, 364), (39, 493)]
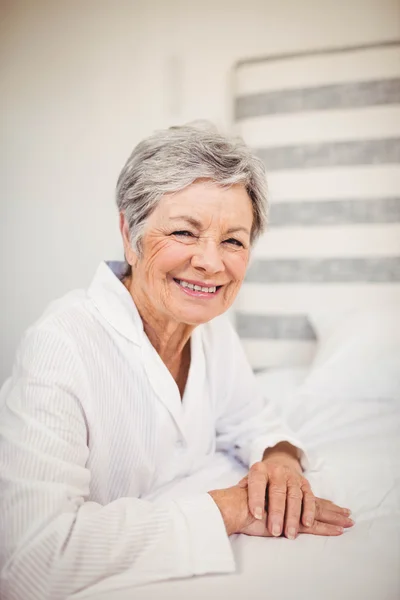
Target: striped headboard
[(327, 126)]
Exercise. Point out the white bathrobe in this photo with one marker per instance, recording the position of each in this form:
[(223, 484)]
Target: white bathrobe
[(92, 424)]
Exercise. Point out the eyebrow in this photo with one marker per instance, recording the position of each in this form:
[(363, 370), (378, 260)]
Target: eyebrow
[(235, 229), (188, 219), (199, 225)]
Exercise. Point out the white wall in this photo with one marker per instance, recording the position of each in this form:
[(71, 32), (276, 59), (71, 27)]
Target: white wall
[(85, 80)]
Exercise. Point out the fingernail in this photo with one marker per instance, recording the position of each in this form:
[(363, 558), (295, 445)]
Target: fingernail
[(308, 522), (351, 521), (291, 533), (347, 511), (258, 513), (339, 529), (276, 529)]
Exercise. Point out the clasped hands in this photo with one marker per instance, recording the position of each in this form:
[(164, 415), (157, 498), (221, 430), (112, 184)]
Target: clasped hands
[(274, 499)]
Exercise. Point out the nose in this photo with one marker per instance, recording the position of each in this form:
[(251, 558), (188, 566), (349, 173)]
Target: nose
[(207, 258)]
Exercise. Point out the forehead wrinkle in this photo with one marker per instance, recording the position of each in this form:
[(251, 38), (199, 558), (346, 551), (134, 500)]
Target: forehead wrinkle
[(215, 210), (199, 225), (236, 229), (191, 220)]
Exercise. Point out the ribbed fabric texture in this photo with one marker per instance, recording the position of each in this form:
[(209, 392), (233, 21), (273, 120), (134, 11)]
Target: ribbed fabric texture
[(91, 423)]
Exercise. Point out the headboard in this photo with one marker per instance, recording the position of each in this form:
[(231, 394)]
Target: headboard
[(327, 126)]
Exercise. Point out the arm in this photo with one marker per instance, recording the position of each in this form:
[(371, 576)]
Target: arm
[(55, 541), (249, 428)]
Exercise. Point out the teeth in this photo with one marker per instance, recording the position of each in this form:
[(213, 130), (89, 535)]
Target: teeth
[(197, 288)]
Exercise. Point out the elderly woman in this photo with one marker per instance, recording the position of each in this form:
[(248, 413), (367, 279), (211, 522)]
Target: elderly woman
[(137, 382)]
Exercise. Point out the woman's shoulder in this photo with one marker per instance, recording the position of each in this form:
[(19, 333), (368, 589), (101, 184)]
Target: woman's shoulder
[(60, 325), (48, 351), (63, 312)]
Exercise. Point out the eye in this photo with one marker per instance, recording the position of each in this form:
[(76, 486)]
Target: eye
[(234, 242), (183, 233)]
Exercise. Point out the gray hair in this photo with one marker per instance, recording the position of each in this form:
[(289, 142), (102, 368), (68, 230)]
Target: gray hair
[(171, 159)]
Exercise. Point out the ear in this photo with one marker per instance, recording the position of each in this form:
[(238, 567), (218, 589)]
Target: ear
[(130, 255)]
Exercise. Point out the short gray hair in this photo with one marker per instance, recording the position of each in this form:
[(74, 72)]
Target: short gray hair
[(171, 159)]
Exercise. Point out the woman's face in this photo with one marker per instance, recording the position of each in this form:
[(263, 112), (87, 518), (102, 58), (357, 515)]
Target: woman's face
[(195, 250)]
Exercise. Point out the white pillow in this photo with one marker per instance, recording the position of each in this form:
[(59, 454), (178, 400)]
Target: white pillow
[(280, 385), (358, 354)]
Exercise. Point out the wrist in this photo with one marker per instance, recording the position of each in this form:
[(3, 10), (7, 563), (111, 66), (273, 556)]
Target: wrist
[(285, 453), (232, 504)]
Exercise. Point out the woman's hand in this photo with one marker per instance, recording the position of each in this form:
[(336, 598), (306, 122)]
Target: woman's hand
[(276, 485), (233, 503), (275, 498)]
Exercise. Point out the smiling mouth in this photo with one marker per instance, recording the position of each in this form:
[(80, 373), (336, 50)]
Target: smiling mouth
[(193, 289)]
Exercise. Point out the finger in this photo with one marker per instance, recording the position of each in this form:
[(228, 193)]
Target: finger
[(334, 518), (322, 529), (329, 504), (293, 509), (308, 515), (257, 484), (322, 505), (243, 482), (277, 489), (256, 528)]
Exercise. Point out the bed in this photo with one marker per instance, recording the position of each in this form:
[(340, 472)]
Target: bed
[(360, 472)]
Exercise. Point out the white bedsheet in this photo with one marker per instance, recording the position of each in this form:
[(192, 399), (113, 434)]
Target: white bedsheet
[(358, 443)]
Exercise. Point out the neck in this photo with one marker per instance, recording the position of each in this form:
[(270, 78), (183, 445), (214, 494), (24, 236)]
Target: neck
[(168, 337)]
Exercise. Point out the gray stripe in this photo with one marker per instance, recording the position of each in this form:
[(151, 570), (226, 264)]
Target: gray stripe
[(335, 212), (335, 96), (275, 327), (308, 156), (329, 270), (283, 56)]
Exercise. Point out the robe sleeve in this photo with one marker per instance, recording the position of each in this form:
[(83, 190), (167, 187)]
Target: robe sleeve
[(247, 424), (55, 541)]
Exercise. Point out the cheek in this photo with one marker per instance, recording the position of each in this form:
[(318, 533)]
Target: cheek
[(176, 255), (236, 265), (162, 256)]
